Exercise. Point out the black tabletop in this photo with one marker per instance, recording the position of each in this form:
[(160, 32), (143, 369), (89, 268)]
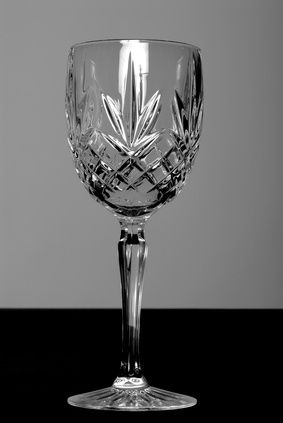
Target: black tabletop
[(230, 360)]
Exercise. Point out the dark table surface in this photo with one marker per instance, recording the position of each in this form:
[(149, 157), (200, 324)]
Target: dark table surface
[(230, 360)]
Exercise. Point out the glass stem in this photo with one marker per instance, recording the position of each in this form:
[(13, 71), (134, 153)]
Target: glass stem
[(132, 253)]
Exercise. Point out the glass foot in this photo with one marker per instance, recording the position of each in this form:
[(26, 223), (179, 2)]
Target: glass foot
[(144, 399)]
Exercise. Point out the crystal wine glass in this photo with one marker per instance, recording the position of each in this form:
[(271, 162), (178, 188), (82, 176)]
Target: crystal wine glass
[(134, 113)]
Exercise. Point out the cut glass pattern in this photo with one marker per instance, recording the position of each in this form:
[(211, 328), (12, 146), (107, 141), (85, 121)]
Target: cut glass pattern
[(134, 112), (134, 167)]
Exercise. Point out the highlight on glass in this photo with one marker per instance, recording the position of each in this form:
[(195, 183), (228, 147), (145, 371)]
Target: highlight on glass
[(134, 111)]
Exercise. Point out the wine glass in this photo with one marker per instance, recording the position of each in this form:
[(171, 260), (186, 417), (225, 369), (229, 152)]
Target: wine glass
[(134, 113)]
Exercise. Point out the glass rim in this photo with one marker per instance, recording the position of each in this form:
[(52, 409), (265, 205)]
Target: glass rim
[(149, 40)]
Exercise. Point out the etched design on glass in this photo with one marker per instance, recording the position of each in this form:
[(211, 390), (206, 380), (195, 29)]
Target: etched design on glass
[(141, 123), (148, 398), (187, 121), (134, 112), (137, 168)]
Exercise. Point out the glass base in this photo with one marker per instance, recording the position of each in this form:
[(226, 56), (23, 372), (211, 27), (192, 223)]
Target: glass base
[(141, 399)]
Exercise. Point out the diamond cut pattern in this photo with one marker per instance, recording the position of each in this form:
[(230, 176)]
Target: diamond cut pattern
[(133, 164), (142, 174), (156, 168)]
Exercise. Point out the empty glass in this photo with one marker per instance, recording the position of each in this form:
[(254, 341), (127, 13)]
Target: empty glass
[(134, 113)]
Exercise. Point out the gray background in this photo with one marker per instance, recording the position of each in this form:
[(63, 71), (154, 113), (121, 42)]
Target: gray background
[(220, 243)]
